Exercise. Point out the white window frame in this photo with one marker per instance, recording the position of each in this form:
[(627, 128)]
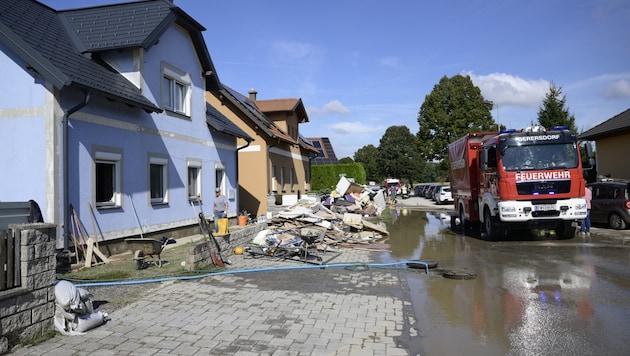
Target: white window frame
[(115, 160), (193, 165), (176, 90), (163, 163), (220, 177), (273, 179)]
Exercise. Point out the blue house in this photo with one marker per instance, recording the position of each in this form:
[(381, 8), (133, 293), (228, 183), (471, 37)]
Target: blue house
[(104, 121)]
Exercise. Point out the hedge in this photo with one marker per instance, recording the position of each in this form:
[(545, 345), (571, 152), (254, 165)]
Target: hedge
[(325, 177)]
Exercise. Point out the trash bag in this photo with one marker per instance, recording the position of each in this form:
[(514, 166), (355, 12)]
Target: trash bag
[(74, 311)]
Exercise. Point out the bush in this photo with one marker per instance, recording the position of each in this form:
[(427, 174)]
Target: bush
[(325, 177)]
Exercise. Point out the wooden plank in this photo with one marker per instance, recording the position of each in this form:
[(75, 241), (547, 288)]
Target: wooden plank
[(3, 259), (17, 269), (11, 259)]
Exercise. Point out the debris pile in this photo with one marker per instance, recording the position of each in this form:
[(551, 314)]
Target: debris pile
[(349, 197), (309, 229)]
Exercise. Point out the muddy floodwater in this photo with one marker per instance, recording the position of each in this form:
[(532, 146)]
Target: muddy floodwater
[(532, 296)]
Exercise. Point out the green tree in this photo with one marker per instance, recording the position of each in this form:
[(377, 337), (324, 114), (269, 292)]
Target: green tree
[(552, 112), (454, 108), (366, 155), (346, 160), (398, 155)]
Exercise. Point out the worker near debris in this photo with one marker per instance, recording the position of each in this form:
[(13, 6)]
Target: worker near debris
[(220, 208), (392, 194)]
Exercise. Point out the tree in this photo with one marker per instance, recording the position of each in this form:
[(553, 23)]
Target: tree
[(552, 112), (398, 155), (366, 155), (346, 160), (454, 108)]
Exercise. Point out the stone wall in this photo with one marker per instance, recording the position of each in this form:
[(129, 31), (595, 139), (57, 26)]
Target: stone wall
[(27, 312), (198, 256)]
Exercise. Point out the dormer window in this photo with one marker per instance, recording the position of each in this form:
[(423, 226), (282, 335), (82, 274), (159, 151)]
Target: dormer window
[(176, 89)]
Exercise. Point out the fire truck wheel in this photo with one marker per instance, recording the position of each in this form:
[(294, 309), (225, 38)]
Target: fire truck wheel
[(491, 228), (462, 218), (566, 230)]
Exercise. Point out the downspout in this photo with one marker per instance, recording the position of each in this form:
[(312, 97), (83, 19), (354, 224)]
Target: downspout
[(310, 168), (238, 173), (66, 170), (269, 165)]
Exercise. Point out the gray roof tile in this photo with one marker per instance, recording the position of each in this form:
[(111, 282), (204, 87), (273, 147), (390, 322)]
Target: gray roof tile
[(57, 44), (618, 124), (35, 32), (136, 24), (219, 122)]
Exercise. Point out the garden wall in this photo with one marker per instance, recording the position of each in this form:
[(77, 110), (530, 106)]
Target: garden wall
[(27, 309)]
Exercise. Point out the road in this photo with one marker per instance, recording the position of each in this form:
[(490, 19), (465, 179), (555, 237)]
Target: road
[(531, 295)]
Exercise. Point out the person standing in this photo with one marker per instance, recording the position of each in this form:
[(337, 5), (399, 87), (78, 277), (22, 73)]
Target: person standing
[(586, 223), (392, 194), (220, 208)]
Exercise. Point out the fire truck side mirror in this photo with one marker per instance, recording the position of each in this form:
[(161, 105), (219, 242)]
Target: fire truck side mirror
[(483, 160)]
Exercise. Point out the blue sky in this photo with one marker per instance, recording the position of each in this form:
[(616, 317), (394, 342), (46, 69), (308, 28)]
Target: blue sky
[(361, 66)]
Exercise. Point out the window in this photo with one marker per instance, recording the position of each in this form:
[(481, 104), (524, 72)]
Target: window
[(273, 179), (194, 180), (176, 88), (219, 177), (291, 183), (282, 179), (107, 179), (158, 168)]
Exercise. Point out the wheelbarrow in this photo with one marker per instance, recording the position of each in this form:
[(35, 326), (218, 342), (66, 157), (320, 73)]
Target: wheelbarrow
[(141, 248)]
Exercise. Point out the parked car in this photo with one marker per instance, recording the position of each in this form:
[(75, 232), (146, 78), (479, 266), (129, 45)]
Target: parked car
[(428, 193), (611, 203), (443, 195), (418, 190)]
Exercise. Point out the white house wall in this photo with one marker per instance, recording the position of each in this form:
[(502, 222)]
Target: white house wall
[(26, 157)]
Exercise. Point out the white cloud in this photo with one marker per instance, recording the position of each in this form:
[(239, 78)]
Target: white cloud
[(355, 128), (506, 89), (616, 90), (296, 54), (332, 107)]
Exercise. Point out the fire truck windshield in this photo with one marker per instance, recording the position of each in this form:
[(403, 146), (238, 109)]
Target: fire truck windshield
[(535, 157)]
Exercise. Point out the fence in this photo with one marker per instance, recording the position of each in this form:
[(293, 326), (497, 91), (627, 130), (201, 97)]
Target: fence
[(27, 310), (10, 273)]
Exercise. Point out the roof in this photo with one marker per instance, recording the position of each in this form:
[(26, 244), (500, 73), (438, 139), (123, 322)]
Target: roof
[(259, 119), (131, 25), (307, 144), (219, 122), (284, 105), (326, 153), (57, 46), (616, 125)]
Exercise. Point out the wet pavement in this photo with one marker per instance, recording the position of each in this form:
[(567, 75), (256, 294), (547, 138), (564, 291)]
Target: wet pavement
[(530, 297), (260, 306)]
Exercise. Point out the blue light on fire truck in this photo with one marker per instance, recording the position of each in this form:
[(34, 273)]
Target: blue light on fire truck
[(560, 128), (508, 131)]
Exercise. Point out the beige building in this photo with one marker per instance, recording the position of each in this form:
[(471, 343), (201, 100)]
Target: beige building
[(275, 167), (612, 141)]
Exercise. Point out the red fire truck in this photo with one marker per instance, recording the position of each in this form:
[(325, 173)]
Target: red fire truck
[(514, 180)]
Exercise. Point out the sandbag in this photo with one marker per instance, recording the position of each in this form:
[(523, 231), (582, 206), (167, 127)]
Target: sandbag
[(74, 311)]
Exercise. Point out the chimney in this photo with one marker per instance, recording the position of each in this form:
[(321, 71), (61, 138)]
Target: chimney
[(252, 94)]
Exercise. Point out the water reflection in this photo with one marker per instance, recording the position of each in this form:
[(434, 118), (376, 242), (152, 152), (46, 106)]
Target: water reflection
[(528, 297)]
